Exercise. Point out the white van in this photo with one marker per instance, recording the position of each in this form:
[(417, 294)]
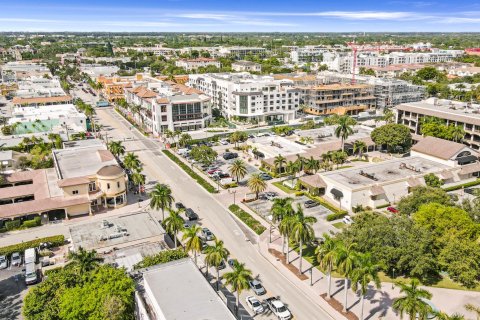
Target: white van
[(30, 256), (30, 273)]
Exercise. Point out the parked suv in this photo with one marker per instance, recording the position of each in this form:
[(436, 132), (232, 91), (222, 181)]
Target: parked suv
[(230, 155), (191, 215)]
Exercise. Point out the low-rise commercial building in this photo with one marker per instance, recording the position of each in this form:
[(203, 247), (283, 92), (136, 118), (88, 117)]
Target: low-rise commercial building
[(113, 88), (249, 97), (246, 66), (464, 115), (178, 290), (14, 71), (194, 64), (96, 70)]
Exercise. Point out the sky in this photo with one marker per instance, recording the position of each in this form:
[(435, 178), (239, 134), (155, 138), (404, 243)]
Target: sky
[(241, 15)]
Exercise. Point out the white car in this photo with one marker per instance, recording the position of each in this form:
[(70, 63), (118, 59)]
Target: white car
[(278, 308), (3, 262), (224, 142), (347, 220), (254, 304), (16, 259)]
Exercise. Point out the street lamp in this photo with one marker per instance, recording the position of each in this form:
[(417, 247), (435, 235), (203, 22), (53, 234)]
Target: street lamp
[(233, 192), (393, 278)]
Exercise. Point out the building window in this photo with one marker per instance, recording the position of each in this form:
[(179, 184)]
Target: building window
[(108, 186), (75, 192), (92, 186), (118, 184)]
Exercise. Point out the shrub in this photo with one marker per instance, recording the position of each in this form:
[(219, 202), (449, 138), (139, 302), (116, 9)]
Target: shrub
[(247, 218), (12, 225), (336, 215), (161, 257), (383, 206), (207, 186), (465, 185), (19, 247), (299, 193), (37, 221)]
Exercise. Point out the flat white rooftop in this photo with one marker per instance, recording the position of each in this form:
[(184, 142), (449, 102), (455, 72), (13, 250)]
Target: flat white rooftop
[(179, 291)]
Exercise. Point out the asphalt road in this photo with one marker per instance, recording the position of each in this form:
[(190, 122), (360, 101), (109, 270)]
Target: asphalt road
[(212, 214)]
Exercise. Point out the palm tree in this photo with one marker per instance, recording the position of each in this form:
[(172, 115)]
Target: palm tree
[(256, 184), (194, 242), (414, 301), (359, 147), (344, 128), (365, 272), (161, 198), (312, 165), (302, 230), (444, 316), (174, 223), (345, 263), (184, 140), (238, 169), (457, 133), (116, 148), (282, 210), (339, 157), (138, 179), (388, 116), (238, 279), (299, 163), (215, 255), (85, 260), (132, 162), (291, 168), (279, 161), (327, 257), (169, 134)]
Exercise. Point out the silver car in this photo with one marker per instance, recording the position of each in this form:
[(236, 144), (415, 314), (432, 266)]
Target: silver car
[(3, 262), (257, 287), (16, 259)]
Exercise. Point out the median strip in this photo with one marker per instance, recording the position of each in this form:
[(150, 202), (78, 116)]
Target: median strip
[(247, 218)]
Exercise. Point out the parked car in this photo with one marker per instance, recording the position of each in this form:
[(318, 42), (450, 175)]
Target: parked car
[(311, 203), (207, 234), (230, 155), (257, 287), (254, 304), (3, 262), (16, 259), (392, 209), (179, 205), (265, 176), (191, 215), (278, 308), (270, 195), (347, 220), (224, 142)]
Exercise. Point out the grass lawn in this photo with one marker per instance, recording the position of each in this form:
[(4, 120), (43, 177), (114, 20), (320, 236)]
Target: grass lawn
[(339, 225), (280, 186)]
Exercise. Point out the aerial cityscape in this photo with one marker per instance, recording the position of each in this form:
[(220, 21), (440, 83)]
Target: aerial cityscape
[(178, 160)]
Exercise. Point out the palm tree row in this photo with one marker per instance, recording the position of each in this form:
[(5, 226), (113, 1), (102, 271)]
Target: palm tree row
[(131, 162)]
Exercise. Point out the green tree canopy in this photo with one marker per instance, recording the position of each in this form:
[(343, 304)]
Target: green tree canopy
[(421, 195), (203, 154), (393, 136)]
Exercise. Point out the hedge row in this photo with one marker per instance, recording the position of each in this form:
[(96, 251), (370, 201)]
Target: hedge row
[(465, 185), (250, 221), (336, 215), (20, 247), (207, 186), (327, 205)]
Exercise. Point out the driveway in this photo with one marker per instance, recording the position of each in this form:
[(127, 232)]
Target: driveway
[(12, 293)]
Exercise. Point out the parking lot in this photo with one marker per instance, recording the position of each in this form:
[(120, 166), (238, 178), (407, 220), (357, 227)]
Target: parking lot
[(12, 293), (262, 206)]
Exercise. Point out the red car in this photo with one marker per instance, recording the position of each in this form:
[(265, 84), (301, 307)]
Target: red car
[(392, 210)]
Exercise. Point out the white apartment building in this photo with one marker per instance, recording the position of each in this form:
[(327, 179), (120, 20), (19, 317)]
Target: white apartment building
[(250, 97), (246, 66), (307, 54), (96, 70), (241, 52), (14, 71), (165, 105), (157, 50), (39, 87), (194, 64)]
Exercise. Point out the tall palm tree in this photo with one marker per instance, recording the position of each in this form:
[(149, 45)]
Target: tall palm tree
[(365, 272), (215, 255), (414, 301), (138, 179), (194, 242), (346, 257), (359, 147), (238, 169), (238, 279), (132, 162), (339, 157), (312, 165), (326, 257), (256, 184), (169, 134), (85, 260), (302, 230), (282, 209), (174, 223), (388, 116), (457, 133), (344, 128), (161, 198), (279, 161), (299, 163), (116, 148), (291, 168), (184, 140)]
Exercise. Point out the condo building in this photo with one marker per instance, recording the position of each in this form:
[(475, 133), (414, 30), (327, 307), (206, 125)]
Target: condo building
[(194, 64)]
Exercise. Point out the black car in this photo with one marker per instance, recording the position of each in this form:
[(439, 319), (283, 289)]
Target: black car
[(265, 176), (191, 215), (179, 205), (230, 155), (310, 203)]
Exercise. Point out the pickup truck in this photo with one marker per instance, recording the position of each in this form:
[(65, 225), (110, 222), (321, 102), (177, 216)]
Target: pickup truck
[(278, 308)]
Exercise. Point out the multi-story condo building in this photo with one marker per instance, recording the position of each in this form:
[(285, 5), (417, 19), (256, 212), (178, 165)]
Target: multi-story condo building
[(307, 54), (114, 87), (166, 105), (39, 87), (246, 66), (338, 99), (465, 115), (157, 50), (250, 97), (388, 92), (194, 64), (241, 52)]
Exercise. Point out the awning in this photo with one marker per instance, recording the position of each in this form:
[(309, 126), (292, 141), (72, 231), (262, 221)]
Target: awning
[(337, 193), (470, 168), (377, 190)]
